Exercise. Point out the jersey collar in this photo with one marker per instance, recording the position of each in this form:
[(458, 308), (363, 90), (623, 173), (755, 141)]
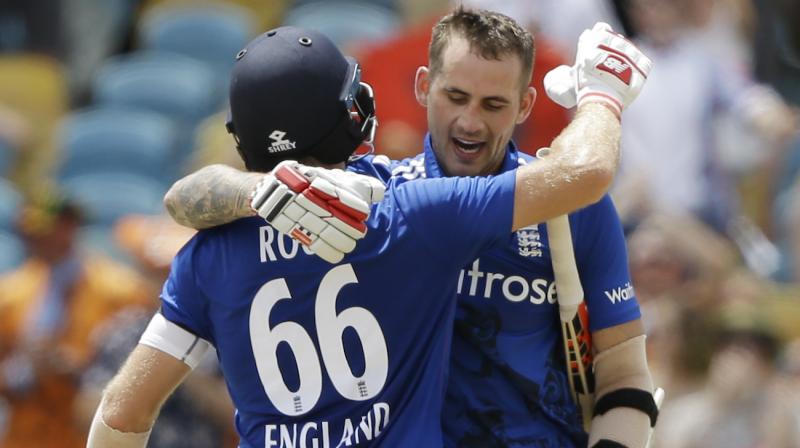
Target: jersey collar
[(432, 168)]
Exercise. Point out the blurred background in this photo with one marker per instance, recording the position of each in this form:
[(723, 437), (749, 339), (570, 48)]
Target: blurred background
[(104, 103)]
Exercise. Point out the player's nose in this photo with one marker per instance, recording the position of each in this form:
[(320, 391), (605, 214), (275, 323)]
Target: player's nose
[(469, 121)]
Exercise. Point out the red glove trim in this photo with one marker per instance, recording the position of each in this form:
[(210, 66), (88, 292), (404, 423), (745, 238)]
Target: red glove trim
[(293, 179), (358, 215)]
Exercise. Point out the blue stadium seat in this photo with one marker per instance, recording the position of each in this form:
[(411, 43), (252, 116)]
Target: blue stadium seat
[(118, 139), (212, 33), (178, 86), (12, 251), (345, 22), (107, 196), (10, 202)]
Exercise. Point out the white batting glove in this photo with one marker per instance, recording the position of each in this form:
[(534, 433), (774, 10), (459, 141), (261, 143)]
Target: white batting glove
[(608, 68), (325, 210)]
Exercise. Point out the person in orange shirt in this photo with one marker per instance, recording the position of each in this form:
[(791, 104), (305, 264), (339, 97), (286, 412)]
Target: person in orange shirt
[(49, 307)]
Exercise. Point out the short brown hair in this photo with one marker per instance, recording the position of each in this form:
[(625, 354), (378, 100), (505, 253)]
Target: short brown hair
[(490, 34)]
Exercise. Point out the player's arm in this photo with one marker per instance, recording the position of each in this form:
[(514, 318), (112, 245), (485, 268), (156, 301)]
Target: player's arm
[(622, 408), (132, 400), (608, 74), (211, 196), (624, 411), (578, 173), (323, 209)]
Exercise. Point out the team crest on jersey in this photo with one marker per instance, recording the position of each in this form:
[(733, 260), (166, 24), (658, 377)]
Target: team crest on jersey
[(279, 143), (529, 241)]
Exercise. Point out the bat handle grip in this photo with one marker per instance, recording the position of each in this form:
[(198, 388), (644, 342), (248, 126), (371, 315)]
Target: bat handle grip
[(658, 397), (567, 312)]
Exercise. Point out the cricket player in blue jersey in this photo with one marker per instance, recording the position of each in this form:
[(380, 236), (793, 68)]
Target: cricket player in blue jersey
[(508, 385), (400, 412)]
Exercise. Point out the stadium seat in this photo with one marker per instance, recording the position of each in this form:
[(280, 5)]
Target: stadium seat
[(12, 251), (345, 22), (211, 33), (175, 85), (264, 18), (107, 196), (35, 87), (10, 202), (118, 139)]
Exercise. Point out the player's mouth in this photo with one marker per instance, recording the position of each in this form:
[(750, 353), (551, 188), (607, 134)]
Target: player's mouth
[(467, 148)]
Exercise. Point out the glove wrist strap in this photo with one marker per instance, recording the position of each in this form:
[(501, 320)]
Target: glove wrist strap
[(603, 99)]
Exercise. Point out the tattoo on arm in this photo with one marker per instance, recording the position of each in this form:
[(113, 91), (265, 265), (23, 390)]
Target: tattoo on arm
[(211, 196)]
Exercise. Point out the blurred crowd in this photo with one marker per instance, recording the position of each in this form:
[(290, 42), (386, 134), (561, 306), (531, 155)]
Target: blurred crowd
[(104, 103)]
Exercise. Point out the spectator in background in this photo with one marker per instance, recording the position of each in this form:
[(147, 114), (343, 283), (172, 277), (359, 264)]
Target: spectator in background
[(200, 413), (679, 267), (561, 22), (48, 309), (735, 409), (786, 394), (671, 159)]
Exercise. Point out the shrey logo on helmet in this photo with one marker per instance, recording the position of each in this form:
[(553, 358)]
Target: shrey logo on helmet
[(278, 142), (293, 94)]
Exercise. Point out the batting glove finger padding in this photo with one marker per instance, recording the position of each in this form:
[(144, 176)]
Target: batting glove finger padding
[(325, 210), (608, 68)]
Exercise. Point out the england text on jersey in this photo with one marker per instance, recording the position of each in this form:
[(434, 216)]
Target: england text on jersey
[(318, 434)]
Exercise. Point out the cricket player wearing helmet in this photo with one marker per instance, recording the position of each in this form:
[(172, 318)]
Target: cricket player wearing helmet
[(322, 354)]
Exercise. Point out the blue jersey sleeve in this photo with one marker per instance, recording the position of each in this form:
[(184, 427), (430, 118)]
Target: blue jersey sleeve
[(379, 167), (182, 299), (457, 217), (383, 168), (602, 260)]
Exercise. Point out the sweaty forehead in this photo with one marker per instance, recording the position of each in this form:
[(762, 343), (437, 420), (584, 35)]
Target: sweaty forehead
[(465, 69)]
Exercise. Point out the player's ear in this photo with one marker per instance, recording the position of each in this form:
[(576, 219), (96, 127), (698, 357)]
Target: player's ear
[(526, 104), (422, 85)]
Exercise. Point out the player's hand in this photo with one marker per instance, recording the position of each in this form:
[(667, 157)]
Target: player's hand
[(325, 210), (608, 69)]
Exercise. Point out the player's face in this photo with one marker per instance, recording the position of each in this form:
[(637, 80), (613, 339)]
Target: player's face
[(473, 105)]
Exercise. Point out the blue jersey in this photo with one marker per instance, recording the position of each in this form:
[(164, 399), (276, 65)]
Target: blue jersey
[(508, 384), (326, 355)]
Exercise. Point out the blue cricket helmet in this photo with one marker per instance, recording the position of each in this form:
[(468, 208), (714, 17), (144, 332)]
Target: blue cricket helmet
[(293, 94)]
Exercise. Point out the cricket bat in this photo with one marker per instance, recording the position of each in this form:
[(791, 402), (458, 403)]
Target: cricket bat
[(573, 316)]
